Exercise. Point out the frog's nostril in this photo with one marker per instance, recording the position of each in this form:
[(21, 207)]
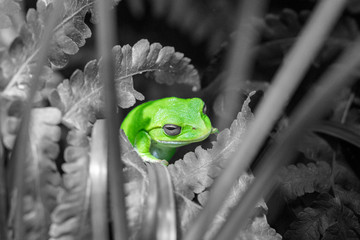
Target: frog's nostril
[(194, 128)]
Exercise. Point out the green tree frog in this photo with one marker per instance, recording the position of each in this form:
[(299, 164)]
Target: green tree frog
[(156, 128)]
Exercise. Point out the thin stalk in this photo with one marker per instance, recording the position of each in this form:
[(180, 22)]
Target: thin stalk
[(21, 143), (315, 105), (105, 32), (98, 172), (240, 59), (285, 82)]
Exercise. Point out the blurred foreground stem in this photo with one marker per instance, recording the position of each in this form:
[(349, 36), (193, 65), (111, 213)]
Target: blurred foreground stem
[(284, 84), (105, 41)]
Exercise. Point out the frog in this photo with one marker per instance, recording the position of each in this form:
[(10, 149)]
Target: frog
[(157, 128)]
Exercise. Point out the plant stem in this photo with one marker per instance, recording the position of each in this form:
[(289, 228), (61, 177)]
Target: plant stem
[(105, 32), (285, 82), (240, 59), (98, 172)]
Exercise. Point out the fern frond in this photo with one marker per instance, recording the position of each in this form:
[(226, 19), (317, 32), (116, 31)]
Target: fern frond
[(280, 32), (17, 64), (236, 193), (327, 218), (80, 98), (42, 179), (197, 170), (297, 180), (349, 198), (70, 217)]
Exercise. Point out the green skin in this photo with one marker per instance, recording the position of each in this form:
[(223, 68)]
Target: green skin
[(144, 127)]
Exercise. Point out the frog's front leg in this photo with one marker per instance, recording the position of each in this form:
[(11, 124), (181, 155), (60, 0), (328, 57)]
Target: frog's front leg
[(142, 144)]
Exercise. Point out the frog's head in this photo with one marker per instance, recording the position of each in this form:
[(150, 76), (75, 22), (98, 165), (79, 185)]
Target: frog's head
[(180, 122)]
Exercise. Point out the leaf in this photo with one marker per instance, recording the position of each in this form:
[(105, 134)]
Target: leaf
[(8, 8), (135, 187), (42, 179), (200, 24), (236, 193), (326, 219), (345, 177), (70, 217), (338, 130), (300, 179), (17, 64), (80, 98), (315, 148), (306, 227), (280, 32), (197, 170), (9, 119), (259, 229), (349, 198), (187, 210)]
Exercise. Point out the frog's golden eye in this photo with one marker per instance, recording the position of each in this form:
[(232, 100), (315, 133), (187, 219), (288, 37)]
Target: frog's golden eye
[(172, 129), (204, 109)]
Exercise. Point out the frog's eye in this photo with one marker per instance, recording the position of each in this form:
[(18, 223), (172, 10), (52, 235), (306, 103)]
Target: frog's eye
[(204, 109), (171, 129)]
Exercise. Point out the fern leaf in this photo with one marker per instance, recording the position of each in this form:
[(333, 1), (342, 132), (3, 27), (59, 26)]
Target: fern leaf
[(135, 187), (259, 229), (42, 180), (300, 179), (349, 198), (80, 97), (197, 170), (8, 8), (326, 219), (9, 119), (17, 64), (69, 218), (280, 31), (235, 194), (353, 6)]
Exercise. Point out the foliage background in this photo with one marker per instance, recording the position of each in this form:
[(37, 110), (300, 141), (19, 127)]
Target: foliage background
[(321, 188)]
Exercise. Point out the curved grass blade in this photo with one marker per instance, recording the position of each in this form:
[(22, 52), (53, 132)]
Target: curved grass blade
[(98, 176), (166, 229), (105, 40), (284, 84), (338, 130), (310, 110), (159, 215), (149, 214), (21, 143)]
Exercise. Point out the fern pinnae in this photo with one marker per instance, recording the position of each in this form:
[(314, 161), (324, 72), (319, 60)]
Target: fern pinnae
[(68, 218), (42, 180), (297, 180), (66, 41), (78, 109), (205, 165)]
